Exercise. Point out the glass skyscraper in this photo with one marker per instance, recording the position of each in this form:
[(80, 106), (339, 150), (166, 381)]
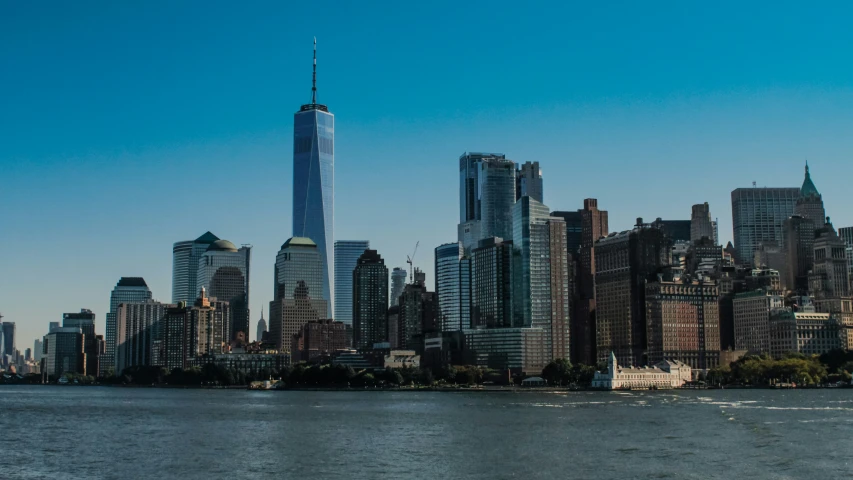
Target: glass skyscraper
[(487, 184), (370, 300), (185, 257), (453, 287), (314, 179), (127, 290), (347, 253), (758, 215), (398, 283)]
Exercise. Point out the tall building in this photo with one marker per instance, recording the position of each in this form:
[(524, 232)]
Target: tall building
[(758, 215), (127, 290), (418, 314), (540, 288), (453, 287), (85, 321), (187, 332), (676, 230), (594, 225), (262, 328), (314, 180), (574, 231), (136, 333), (491, 285), (624, 262), (809, 202), (64, 352), (529, 182), (799, 235), (701, 224), (185, 258), (299, 297), (830, 277), (8, 338), (486, 196), (369, 300), (223, 271), (683, 322), (752, 311), (398, 282), (846, 234), (347, 253), (38, 350)]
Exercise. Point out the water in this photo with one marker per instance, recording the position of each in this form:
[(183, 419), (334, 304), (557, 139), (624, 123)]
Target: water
[(123, 433)]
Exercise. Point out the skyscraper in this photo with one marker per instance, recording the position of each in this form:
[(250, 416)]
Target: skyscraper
[(137, 325), (491, 285), (758, 215), (830, 277), (314, 179), (486, 196), (418, 314), (127, 290), (85, 321), (185, 257), (398, 283), (701, 224), (223, 270), (799, 236), (262, 328), (298, 278), (529, 182), (370, 300), (846, 234), (453, 287), (810, 203), (8, 335), (64, 354), (347, 253)]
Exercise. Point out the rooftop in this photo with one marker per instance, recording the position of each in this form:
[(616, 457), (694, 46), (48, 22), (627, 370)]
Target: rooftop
[(299, 242), (132, 282)]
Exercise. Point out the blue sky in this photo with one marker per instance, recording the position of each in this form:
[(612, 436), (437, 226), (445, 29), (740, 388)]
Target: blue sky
[(129, 126)]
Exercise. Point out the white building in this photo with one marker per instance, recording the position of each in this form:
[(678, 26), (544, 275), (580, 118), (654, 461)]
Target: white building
[(666, 374)]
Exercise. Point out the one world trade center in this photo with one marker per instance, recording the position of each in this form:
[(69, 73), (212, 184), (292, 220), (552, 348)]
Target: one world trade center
[(314, 179)]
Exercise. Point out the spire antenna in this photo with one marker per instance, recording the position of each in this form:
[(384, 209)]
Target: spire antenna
[(314, 76)]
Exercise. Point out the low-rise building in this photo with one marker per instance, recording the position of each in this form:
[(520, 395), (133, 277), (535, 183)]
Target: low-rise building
[(318, 339), (664, 375), (521, 350), (254, 364)]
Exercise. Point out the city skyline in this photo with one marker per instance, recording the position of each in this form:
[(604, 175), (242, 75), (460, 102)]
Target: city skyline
[(688, 125)]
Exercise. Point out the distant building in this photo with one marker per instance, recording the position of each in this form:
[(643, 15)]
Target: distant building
[(223, 271), (594, 225), (398, 282), (347, 253), (299, 296), (701, 225), (809, 202), (830, 277), (127, 290), (758, 215), (394, 328), (453, 287), (806, 332), (254, 364), (521, 350), (318, 339), (262, 328), (8, 334), (418, 314), (846, 234), (370, 301), (528, 182), (487, 193), (799, 248), (136, 333), (841, 309), (38, 350), (752, 311), (188, 332), (491, 285), (64, 352), (185, 258), (664, 375), (675, 230), (85, 321)]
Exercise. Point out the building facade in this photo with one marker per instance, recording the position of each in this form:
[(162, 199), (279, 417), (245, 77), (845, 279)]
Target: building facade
[(752, 311), (528, 182), (799, 236), (453, 287), (810, 202), (85, 321), (223, 271), (137, 329), (521, 350), (398, 282), (127, 290), (486, 195), (664, 375), (491, 285), (64, 351), (347, 253), (830, 277), (185, 258), (318, 339), (758, 215), (701, 225), (805, 332), (370, 300), (593, 227)]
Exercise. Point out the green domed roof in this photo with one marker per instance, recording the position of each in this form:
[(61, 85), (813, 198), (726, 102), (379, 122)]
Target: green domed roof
[(299, 241), (222, 246), (808, 189)]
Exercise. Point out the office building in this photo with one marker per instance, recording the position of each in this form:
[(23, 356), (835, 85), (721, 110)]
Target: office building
[(398, 282), (676, 230), (528, 182), (127, 290), (752, 311), (701, 225), (841, 309), (683, 322), (85, 321), (314, 181), (185, 258), (418, 314), (486, 195), (318, 339), (810, 202), (262, 328), (453, 287), (758, 215), (846, 234), (624, 262), (9, 341), (64, 352), (370, 300), (830, 276), (803, 331), (187, 332), (520, 350), (223, 271), (38, 350), (491, 285), (299, 295), (574, 231), (347, 253), (594, 225), (799, 237), (137, 327)]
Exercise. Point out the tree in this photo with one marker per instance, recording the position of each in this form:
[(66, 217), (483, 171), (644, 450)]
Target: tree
[(558, 372)]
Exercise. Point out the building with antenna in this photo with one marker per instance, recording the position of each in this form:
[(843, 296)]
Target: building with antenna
[(314, 179)]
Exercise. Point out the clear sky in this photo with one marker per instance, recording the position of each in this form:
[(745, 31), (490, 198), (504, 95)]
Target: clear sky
[(127, 126)]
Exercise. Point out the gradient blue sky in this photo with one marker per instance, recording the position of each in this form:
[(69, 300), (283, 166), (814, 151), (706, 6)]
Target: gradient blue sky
[(127, 127)]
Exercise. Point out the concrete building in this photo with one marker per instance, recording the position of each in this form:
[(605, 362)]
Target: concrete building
[(261, 329), (418, 314), (486, 195), (799, 246), (38, 350), (675, 230), (64, 352), (841, 308), (223, 271), (491, 285), (136, 333), (453, 287), (752, 311), (805, 331), (9, 341), (758, 215), (664, 375), (528, 182), (187, 332), (625, 261), (770, 255), (683, 322), (318, 339), (398, 282), (594, 225), (314, 182), (701, 225), (298, 289), (810, 202), (85, 321), (185, 258), (521, 350), (830, 277), (127, 290), (347, 253), (370, 300)]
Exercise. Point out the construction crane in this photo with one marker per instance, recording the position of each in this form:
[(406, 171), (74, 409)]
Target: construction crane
[(411, 261)]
